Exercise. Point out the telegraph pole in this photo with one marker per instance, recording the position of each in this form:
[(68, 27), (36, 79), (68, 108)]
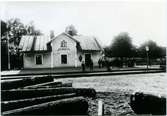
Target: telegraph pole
[(147, 50), (7, 37)]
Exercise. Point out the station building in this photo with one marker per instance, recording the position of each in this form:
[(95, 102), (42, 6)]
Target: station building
[(63, 50)]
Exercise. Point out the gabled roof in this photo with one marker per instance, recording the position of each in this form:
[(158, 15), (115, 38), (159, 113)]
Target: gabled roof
[(85, 42), (65, 34), (88, 42), (40, 43), (34, 43)]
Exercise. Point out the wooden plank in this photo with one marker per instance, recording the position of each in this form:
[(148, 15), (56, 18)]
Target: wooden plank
[(15, 104), (69, 106)]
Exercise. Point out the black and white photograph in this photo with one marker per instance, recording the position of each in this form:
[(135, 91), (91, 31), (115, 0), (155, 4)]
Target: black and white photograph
[(90, 58)]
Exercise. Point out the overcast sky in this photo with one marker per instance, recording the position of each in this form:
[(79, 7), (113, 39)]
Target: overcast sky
[(104, 20)]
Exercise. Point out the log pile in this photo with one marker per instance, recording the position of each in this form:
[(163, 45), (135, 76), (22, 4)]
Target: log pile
[(43, 96), (18, 83), (148, 104)]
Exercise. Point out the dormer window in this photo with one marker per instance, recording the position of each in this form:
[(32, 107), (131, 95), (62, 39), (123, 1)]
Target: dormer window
[(63, 43)]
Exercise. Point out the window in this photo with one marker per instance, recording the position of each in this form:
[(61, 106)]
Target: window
[(38, 59), (63, 43), (63, 59)]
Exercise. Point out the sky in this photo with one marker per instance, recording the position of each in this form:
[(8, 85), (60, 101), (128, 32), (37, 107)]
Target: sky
[(143, 20)]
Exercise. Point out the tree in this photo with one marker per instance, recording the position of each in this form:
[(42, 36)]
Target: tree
[(3, 28), (163, 51), (122, 46), (154, 52), (71, 30), (107, 51), (122, 49), (16, 29), (4, 46)]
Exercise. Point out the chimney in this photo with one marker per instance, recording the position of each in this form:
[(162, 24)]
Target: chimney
[(52, 34)]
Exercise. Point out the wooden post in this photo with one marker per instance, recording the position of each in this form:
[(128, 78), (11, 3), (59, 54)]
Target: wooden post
[(100, 108)]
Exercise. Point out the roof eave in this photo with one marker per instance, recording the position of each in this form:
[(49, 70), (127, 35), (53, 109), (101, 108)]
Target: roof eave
[(41, 51), (90, 50)]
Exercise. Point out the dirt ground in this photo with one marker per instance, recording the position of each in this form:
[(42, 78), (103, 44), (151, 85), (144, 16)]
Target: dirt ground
[(115, 91), (115, 103)]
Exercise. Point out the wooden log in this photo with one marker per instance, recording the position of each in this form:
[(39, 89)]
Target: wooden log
[(18, 83), (43, 79), (15, 104), (31, 93), (69, 106), (148, 104), (39, 92), (15, 83), (61, 85), (52, 86), (87, 92), (44, 84)]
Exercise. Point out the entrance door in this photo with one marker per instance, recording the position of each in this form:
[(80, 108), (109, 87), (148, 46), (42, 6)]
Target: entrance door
[(64, 59), (87, 59)]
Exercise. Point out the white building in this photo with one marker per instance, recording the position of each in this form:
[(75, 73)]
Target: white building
[(63, 50)]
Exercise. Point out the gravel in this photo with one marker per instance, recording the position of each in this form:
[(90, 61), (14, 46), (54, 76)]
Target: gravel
[(115, 103), (115, 91)]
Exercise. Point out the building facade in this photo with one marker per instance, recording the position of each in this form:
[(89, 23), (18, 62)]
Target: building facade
[(63, 50)]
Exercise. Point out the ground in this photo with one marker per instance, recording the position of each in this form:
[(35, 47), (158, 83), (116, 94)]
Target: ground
[(67, 69), (115, 90)]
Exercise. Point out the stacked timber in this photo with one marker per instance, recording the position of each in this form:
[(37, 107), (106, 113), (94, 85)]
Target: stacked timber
[(43, 96), (18, 83), (143, 103)]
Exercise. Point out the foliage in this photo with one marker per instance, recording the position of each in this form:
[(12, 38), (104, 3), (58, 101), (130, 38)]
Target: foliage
[(155, 51), (3, 28), (16, 29), (121, 46), (71, 30), (13, 30)]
